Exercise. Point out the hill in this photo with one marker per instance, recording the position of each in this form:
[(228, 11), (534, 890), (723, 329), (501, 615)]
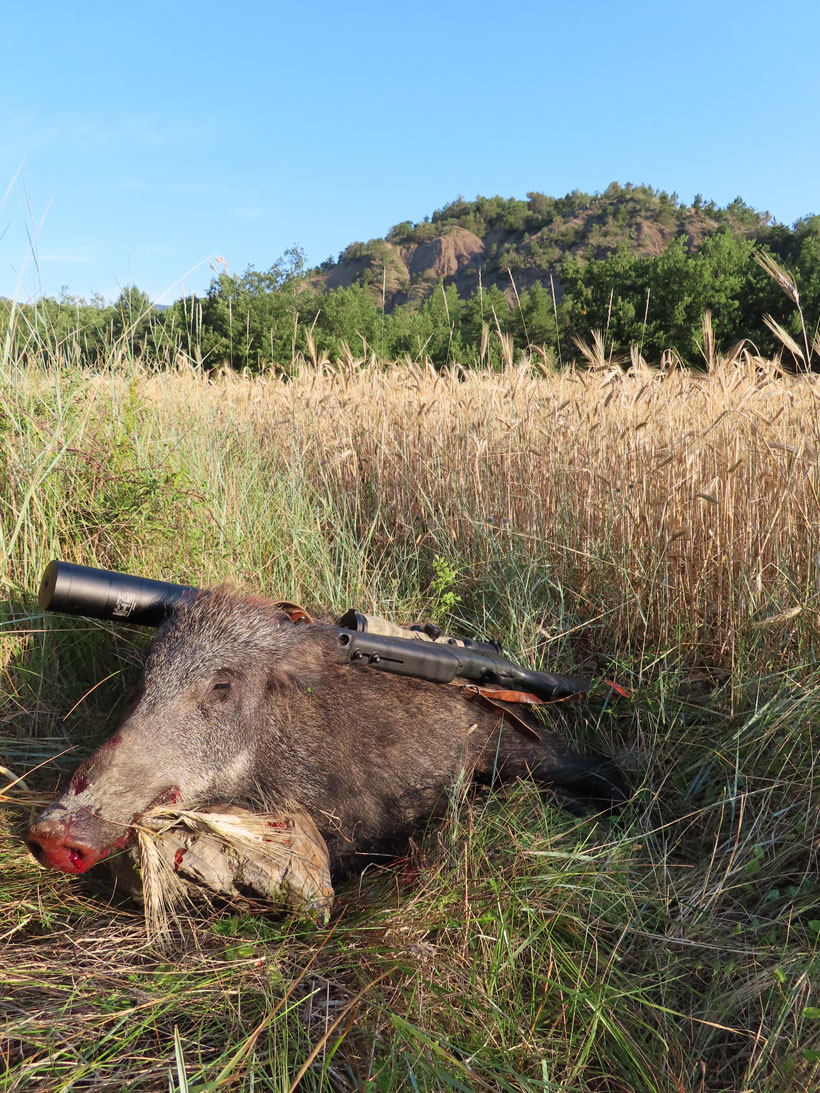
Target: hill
[(499, 239), (480, 280)]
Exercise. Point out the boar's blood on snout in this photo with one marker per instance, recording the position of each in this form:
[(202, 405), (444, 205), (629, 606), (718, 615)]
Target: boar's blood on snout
[(79, 780), (237, 703), (68, 844)]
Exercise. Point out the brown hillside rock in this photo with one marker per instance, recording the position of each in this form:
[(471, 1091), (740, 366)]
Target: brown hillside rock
[(445, 255), (651, 240), (343, 275)]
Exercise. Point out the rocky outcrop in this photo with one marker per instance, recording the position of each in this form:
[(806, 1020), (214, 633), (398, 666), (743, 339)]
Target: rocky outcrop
[(444, 256)]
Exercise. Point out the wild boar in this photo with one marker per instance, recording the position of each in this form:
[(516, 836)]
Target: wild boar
[(238, 703)]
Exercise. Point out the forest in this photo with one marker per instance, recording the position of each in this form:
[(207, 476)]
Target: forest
[(481, 280)]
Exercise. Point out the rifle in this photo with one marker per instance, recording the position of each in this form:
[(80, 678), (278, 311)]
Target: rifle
[(424, 653)]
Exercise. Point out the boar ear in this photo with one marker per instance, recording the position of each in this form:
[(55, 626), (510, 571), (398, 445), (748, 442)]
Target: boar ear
[(299, 663)]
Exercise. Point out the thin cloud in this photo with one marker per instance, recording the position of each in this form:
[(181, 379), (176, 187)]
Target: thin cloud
[(179, 189), (254, 213), (32, 132)]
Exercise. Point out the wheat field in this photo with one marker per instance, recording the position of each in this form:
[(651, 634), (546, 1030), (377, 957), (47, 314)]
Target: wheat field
[(670, 506), (658, 527)]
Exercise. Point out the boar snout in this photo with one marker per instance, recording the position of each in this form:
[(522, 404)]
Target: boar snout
[(53, 844), (73, 839)]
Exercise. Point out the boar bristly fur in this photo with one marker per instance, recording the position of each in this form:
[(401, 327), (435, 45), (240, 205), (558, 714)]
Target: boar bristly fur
[(238, 703)]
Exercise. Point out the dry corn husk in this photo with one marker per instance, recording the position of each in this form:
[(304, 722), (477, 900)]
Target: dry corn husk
[(277, 857)]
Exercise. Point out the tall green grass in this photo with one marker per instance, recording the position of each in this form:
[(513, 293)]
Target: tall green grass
[(658, 527)]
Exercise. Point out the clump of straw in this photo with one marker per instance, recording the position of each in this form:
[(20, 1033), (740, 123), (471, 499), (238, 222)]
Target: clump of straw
[(182, 853)]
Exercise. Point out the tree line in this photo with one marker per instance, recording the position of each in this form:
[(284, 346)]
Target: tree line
[(260, 318)]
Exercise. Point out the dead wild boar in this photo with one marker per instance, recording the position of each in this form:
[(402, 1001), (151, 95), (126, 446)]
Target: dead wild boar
[(238, 703)]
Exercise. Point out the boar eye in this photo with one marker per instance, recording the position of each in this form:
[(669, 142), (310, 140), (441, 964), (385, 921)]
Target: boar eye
[(220, 687)]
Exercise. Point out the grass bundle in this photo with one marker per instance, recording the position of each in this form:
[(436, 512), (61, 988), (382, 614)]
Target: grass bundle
[(222, 850)]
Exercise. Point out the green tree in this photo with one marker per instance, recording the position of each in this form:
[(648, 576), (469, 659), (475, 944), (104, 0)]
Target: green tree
[(131, 319), (351, 316), (252, 319)]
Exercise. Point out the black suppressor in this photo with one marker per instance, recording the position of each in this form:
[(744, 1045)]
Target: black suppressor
[(102, 594)]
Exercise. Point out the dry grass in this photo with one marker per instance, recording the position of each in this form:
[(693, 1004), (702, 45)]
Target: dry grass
[(661, 525)]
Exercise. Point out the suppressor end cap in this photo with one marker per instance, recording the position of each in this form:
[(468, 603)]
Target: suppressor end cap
[(47, 585)]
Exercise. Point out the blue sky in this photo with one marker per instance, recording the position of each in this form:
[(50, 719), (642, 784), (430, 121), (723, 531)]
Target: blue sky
[(138, 142)]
